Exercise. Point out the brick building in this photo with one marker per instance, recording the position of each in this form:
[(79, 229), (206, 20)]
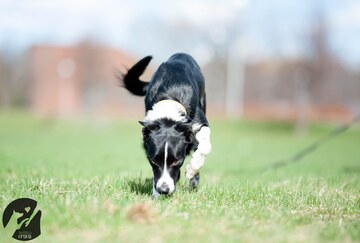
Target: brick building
[(68, 81)]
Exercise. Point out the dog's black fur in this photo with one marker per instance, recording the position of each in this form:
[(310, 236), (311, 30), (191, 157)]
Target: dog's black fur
[(178, 79)]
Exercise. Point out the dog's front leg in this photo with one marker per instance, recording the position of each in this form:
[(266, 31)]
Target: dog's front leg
[(199, 156), (155, 193)]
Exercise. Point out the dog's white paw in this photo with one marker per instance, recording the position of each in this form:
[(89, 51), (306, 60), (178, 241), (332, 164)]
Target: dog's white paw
[(190, 173), (155, 193)]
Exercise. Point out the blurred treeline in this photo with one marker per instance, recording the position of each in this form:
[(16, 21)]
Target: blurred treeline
[(81, 79)]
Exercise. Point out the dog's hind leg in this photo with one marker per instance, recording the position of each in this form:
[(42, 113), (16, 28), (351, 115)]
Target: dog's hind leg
[(203, 103)]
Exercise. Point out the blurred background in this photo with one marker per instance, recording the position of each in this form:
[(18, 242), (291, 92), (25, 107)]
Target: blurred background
[(295, 61)]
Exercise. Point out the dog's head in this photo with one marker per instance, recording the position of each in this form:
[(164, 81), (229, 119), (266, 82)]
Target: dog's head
[(166, 145)]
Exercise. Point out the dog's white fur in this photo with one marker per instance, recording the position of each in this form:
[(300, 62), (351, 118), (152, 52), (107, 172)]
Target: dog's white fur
[(155, 193), (166, 109), (199, 156), (165, 177)]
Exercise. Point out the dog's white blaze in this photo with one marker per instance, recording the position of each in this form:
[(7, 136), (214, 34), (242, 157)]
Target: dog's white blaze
[(165, 177), (199, 156), (166, 109)]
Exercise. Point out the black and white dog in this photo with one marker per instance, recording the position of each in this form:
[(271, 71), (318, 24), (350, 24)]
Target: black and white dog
[(175, 122)]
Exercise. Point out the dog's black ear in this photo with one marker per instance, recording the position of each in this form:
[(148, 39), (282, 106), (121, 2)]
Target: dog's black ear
[(183, 127), (186, 129), (153, 126), (149, 127)]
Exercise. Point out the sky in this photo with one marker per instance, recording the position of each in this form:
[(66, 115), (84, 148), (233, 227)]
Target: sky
[(257, 28)]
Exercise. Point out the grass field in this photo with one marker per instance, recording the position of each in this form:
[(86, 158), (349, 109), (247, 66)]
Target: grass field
[(90, 181)]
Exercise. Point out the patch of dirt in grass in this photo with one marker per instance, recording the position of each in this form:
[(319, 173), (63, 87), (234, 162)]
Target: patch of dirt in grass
[(142, 213)]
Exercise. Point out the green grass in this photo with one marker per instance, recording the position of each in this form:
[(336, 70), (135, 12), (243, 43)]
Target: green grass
[(93, 184)]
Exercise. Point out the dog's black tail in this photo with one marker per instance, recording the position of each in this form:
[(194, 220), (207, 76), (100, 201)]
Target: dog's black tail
[(131, 80)]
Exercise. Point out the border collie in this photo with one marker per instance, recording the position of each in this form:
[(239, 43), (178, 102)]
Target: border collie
[(175, 123)]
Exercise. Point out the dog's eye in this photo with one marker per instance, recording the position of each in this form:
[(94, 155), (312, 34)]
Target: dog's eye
[(154, 163), (175, 163)]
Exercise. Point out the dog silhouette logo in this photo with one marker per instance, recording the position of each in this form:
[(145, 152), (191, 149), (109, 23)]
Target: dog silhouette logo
[(21, 219)]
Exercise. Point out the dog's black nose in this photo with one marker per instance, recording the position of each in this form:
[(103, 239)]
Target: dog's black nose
[(163, 189)]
